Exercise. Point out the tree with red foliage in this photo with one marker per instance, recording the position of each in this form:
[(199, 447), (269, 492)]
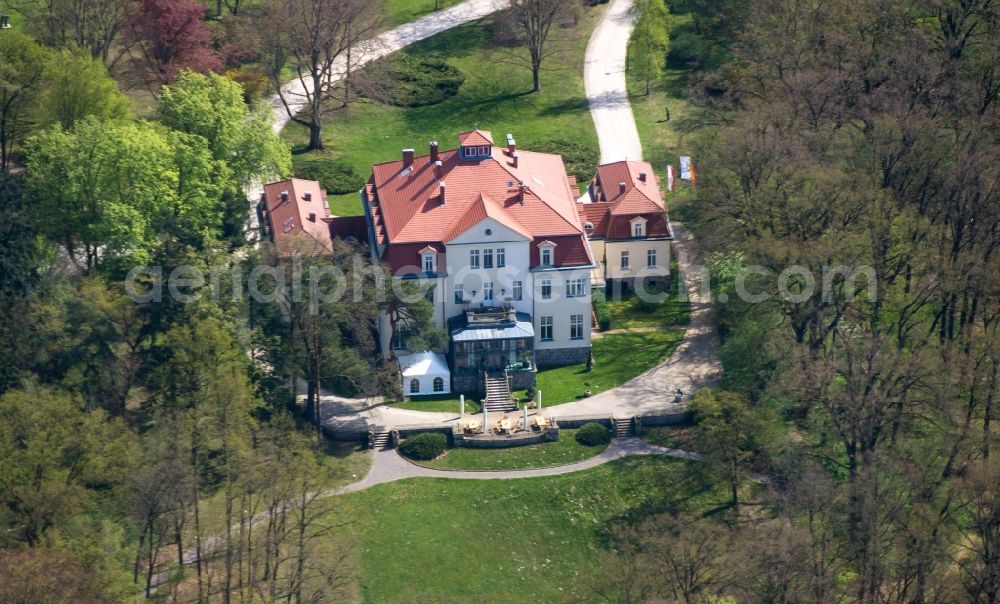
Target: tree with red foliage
[(169, 36)]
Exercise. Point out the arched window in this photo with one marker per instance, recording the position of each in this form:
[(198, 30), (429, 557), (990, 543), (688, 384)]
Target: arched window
[(414, 386), (438, 384)]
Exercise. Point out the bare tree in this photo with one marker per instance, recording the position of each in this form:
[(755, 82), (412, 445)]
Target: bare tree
[(315, 39), (535, 20), (94, 27)]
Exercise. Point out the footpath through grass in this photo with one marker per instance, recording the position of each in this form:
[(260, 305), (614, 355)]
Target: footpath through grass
[(496, 96), (529, 540), (561, 452)]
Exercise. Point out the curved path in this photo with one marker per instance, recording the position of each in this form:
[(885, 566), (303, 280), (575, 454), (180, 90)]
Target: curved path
[(390, 466), (386, 43), (604, 81)]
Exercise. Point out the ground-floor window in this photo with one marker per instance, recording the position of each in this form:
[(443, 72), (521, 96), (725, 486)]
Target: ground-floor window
[(438, 384), (518, 292), (414, 386), (576, 327), (546, 328)]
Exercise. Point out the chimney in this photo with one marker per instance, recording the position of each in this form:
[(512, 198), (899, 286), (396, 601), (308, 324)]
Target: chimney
[(520, 192), (407, 158), (441, 189), (434, 153), (642, 176), (312, 216), (284, 197), (438, 169), (308, 196), (514, 157), (511, 144), (621, 188)]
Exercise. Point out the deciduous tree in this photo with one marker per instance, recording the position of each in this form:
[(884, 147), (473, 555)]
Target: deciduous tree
[(169, 36), (23, 65), (79, 86)]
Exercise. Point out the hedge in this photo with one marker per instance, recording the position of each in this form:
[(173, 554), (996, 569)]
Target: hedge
[(425, 446), (592, 434), (601, 310)]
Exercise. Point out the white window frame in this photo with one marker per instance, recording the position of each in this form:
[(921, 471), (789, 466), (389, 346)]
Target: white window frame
[(488, 291), (501, 257), (488, 257), (576, 288), (545, 324), (414, 386), (651, 258), (438, 384), (576, 327), (459, 294), (546, 285), (430, 262), (517, 290), (546, 256), (625, 261), (638, 229), (473, 258)]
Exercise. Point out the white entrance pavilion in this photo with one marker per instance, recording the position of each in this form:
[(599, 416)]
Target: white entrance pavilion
[(425, 373)]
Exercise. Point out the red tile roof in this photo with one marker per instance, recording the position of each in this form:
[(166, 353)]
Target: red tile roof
[(286, 221), (639, 196), (407, 206), (475, 137), (614, 208)]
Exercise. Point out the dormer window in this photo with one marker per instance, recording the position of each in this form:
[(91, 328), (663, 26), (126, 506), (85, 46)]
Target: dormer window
[(428, 259), (546, 253), (476, 151), (638, 227)]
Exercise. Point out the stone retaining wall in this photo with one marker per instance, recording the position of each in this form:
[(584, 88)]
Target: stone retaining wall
[(559, 357)]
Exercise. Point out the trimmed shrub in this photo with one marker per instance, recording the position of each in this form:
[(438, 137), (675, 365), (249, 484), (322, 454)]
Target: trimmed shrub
[(406, 81), (592, 434), (601, 310), (424, 446), (334, 175)]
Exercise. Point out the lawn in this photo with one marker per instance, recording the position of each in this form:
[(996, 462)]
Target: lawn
[(674, 311), (618, 357), (446, 403), (561, 452), (674, 437), (530, 540), (496, 95)]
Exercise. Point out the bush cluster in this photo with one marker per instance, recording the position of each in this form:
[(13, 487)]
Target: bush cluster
[(593, 434), (601, 310), (406, 81), (334, 175), (424, 447)]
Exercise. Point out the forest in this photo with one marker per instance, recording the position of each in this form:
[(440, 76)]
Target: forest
[(849, 182)]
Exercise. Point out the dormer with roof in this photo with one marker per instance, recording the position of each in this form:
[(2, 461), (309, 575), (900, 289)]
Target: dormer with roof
[(480, 215), (627, 225)]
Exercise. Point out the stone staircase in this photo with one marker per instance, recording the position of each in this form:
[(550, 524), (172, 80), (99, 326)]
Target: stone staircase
[(498, 397), (379, 439), (623, 427)]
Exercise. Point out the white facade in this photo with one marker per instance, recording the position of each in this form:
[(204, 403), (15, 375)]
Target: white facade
[(558, 299)]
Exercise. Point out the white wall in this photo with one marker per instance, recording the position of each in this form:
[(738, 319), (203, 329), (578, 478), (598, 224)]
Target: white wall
[(560, 308)]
